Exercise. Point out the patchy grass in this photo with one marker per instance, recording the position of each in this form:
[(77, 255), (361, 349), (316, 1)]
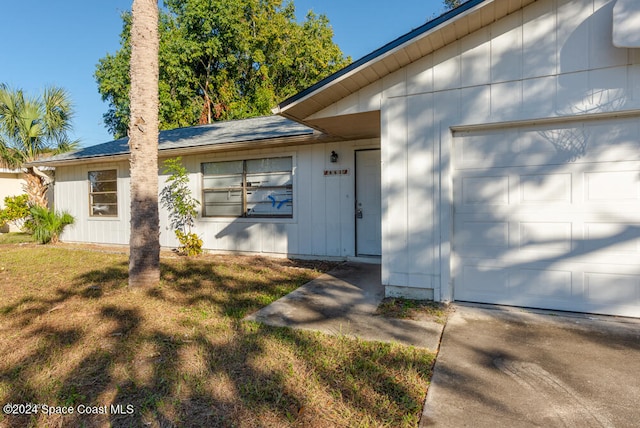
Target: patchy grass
[(72, 333), (394, 307), (15, 238)]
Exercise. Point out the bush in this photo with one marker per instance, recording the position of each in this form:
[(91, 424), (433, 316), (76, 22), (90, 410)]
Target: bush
[(47, 225), (190, 243), (16, 210)]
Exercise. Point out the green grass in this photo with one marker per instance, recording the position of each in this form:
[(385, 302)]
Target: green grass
[(74, 333), (15, 238), (413, 309)]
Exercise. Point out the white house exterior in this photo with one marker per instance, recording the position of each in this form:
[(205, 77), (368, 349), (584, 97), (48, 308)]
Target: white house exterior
[(509, 140), (319, 222)]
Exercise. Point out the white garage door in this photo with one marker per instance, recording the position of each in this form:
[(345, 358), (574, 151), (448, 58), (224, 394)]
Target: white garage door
[(549, 218)]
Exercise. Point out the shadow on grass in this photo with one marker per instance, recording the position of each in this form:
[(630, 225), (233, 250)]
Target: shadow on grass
[(179, 355)]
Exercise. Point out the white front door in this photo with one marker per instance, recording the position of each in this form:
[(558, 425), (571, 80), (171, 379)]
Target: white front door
[(368, 204)]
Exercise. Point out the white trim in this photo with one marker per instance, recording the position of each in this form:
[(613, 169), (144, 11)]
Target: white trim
[(459, 129)]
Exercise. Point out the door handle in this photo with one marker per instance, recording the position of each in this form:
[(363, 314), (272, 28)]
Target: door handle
[(359, 213)]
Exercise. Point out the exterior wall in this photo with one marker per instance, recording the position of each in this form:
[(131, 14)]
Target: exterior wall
[(552, 59), (10, 185), (322, 223)]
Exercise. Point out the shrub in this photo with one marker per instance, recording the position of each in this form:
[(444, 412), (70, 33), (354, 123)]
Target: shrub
[(47, 225), (16, 210), (190, 243), (176, 197)]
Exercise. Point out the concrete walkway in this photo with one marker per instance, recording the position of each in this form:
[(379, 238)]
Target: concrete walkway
[(510, 367), (496, 366), (344, 301)]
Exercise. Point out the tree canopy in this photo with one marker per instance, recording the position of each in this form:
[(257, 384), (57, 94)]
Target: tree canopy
[(31, 127), (223, 59), (450, 4)]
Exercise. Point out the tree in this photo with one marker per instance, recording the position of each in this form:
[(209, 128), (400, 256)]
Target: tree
[(31, 127), (226, 59), (450, 4), (144, 243), (182, 206)]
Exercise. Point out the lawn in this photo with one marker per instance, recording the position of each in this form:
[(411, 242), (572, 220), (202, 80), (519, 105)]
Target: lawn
[(74, 336)]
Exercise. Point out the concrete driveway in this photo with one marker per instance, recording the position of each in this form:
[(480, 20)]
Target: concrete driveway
[(502, 367)]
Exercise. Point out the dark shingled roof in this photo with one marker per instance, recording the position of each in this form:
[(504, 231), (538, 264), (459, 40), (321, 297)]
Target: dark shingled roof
[(219, 133)]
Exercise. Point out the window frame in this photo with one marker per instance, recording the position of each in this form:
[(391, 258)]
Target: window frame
[(245, 189), (91, 193)]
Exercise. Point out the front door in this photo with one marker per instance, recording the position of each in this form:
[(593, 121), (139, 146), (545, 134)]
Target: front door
[(368, 204)]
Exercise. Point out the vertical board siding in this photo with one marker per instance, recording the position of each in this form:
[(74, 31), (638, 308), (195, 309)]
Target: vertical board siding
[(323, 223), (550, 59)]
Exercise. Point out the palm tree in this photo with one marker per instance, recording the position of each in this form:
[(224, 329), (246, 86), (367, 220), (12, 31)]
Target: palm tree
[(31, 128), (144, 243)]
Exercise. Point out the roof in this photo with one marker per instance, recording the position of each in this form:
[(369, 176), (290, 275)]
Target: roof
[(420, 42), (234, 134)]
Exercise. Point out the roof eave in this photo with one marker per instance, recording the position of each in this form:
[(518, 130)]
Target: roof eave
[(375, 56), (295, 140)]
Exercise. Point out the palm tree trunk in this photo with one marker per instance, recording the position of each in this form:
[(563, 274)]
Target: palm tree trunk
[(144, 243), (36, 187)]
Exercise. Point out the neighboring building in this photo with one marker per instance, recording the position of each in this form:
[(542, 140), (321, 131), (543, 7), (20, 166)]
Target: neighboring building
[(509, 143), (11, 183)]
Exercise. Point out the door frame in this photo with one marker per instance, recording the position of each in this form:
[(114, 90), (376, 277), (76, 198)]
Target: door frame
[(355, 201)]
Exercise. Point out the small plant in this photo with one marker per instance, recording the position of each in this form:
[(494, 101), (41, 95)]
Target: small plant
[(176, 197), (47, 225), (190, 243), (16, 210)]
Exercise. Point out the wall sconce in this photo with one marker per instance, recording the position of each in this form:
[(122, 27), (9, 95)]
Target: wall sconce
[(334, 157)]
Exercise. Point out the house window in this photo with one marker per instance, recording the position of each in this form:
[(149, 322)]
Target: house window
[(248, 188), (103, 193)]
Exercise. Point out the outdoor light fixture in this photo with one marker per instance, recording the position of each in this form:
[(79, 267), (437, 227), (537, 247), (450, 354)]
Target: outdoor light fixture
[(334, 157)]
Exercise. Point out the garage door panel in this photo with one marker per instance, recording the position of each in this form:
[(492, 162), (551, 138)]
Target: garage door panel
[(484, 281), (545, 188), (542, 282), (612, 288), (615, 186), (612, 238), (607, 289), (491, 190), (536, 227), (553, 238), (493, 234)]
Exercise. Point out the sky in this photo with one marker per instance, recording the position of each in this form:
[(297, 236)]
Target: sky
[(60, 42)]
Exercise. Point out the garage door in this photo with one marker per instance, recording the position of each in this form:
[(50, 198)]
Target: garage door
[(549, 217)]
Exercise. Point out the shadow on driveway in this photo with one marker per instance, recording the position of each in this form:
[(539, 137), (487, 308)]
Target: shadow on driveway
[(510, 367)]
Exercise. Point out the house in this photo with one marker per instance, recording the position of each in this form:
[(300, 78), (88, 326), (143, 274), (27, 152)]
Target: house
[(11, 183), (491, 155)]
